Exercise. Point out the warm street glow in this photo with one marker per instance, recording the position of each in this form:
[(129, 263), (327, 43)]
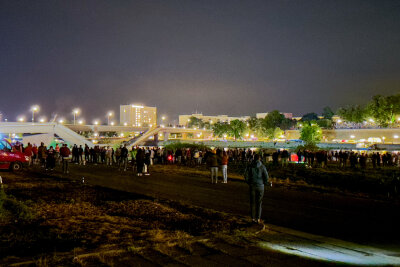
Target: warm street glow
[(76, 111), (21, 119), (35, 108)]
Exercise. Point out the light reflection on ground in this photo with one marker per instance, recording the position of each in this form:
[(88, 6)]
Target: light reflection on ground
[(333, 252)]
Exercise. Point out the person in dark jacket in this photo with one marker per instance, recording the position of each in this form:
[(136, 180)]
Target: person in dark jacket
[(256, 177), (140, 161), (212, 162)]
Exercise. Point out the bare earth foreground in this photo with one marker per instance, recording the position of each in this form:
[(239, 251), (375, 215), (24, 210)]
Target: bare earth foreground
[(176, 217)]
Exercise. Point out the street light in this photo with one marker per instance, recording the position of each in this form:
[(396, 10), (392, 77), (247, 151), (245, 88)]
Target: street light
[(96, 122), (76, 112), (21, 119), (61, 121), (34, 109), (80, 121), (109, 114)]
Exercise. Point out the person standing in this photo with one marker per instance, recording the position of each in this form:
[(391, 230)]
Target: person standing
[(212, 162), (124, 157), (28, 153), (64, 153), (50, 160), (140, 161), (256, 176), (224, 167), (42, 152)]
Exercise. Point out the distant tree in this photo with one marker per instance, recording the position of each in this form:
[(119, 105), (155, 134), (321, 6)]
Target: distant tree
[(273, 119), (310, 117), (324, 123), (255, 126), (195, 122), (274, 133), (310, 133), (207, 125), (220, 129), (236, 129), (355, 113), (327, 113), (287, 124), (384, 109)]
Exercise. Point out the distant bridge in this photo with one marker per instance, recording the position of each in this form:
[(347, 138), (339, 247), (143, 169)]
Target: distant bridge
[(69, 133), (44, 128), (165, 132)]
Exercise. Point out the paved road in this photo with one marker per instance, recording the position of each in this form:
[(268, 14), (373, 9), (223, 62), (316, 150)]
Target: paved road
[(354, 219)]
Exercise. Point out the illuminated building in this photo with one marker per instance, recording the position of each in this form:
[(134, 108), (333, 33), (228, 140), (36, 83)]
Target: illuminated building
[(138, 115), (185, 119)]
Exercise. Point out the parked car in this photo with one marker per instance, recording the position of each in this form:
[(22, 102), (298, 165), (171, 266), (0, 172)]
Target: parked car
[(9, 159)]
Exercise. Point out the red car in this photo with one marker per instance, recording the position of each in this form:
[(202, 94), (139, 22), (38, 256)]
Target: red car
[(9, 159)]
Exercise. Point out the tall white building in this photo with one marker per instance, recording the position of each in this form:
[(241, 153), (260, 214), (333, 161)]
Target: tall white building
[(137, 115)]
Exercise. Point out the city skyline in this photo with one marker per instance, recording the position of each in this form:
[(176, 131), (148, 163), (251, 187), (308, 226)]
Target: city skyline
[(225, 57)]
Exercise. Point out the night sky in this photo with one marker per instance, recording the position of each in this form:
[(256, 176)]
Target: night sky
[(216, 57)]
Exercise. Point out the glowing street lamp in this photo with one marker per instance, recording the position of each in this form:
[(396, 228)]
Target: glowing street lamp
[(61, 121), (96, 122), (76, 112), (112, 123), (109, 114), (21, 118), (42, 120), (34, 109), (80, 122)]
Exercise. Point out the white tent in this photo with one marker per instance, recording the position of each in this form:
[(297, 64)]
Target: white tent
[(37, 139)]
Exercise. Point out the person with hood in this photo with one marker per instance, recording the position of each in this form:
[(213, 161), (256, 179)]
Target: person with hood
[(256, 176)]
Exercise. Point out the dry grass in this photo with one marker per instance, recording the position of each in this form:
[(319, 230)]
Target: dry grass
[(83, 225)]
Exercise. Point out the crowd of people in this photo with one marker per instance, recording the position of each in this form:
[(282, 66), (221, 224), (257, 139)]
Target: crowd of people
[(139, 159)]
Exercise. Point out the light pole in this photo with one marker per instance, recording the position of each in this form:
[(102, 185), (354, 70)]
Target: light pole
[(109, 114), (34, 109), (75, 112)]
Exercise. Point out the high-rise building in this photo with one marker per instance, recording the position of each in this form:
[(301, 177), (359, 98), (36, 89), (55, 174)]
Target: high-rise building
[(137, 115)]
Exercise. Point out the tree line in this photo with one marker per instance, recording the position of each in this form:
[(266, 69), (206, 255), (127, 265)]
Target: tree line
[(271, 127), (382, 110)]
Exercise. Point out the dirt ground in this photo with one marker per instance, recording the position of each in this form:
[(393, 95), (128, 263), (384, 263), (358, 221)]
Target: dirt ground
[(51, 221)]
